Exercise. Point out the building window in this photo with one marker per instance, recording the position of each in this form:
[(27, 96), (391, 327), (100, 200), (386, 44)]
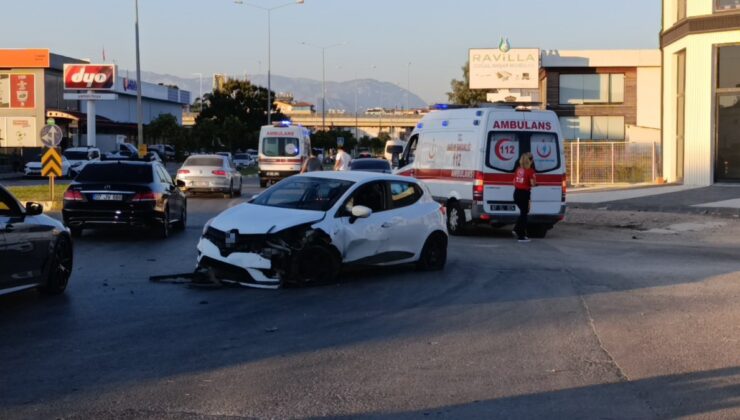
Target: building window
[(728, 59), (593, 128), (577, 89), (726, 5), (727, 167), (681, 9)]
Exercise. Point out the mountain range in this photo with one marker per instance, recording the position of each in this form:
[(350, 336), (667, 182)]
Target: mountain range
[(366, 93)]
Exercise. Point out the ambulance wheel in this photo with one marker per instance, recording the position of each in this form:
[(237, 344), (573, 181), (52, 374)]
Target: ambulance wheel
[(537, 231), (455, 219)]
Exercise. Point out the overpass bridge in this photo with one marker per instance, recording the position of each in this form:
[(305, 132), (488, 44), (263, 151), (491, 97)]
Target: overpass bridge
[(365, 124)]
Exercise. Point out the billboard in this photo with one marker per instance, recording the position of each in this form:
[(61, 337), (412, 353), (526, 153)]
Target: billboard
[(22, 91), (504, 68), (3, 132), (21, 132), (4, 91), (89, 77)]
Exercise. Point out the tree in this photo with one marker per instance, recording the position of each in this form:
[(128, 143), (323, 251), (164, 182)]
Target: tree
[(461, 94), (328, 139), (232, 117), (163, 129)]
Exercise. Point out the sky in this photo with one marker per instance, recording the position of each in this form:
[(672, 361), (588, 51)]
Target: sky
[(381, 37)]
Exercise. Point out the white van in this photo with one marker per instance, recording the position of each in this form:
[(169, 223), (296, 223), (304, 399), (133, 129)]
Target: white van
[(468, 156), (393, 146), (283, 148)]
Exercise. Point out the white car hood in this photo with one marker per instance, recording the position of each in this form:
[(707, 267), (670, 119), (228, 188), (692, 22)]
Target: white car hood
[(252, 219)]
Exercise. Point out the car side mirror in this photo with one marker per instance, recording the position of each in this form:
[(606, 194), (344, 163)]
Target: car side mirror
[(360, 212), (180, 183), (34, 209)]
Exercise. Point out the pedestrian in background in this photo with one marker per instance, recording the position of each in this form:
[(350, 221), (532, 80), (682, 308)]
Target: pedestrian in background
[(312, 164), (342, 160), (524, 180)]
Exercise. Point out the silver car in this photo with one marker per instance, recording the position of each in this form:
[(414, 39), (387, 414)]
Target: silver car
[(209, 173)]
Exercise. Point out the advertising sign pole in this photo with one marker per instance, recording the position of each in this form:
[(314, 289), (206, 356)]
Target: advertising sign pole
[(91, 117), (139, 108)]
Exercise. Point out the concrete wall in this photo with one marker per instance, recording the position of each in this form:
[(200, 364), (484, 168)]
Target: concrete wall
[(648, 97), (700, 106)]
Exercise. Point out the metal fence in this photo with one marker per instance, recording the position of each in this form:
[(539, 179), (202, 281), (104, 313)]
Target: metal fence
[(595, 163)]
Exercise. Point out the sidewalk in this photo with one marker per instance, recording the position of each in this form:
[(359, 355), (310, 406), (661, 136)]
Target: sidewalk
[(718, 199)]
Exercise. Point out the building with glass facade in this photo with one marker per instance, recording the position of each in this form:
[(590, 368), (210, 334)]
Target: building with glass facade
[(701, 91)]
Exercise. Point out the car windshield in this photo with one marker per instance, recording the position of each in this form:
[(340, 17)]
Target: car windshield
[(204, 161), (280, 146), (370, 164), (75, 155), (119, 172), (304, 193)]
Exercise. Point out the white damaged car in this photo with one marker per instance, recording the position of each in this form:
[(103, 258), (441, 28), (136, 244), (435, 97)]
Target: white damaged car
[(302, 229)]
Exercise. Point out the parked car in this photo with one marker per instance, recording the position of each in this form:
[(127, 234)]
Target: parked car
[(35, 249), (303, 229), (364, 155), (78, 157), (123, 151), (210, 173), (244, 160), (371, 165), (165, 151), (34, 167), (129, 194), (227, 155)]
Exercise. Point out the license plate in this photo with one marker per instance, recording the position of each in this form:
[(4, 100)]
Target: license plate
[(200, 184), (503, 207), (107, 197)]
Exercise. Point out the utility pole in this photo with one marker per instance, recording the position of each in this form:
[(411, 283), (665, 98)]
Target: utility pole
[(139, 107)]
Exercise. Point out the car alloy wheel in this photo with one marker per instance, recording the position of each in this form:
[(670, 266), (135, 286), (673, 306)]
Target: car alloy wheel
[(434, 254), (60, 267)]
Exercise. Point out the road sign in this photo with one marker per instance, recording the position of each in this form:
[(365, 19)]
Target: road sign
[(90, 96), (51, 135), (143, 150), (340, 141), (51, 163)]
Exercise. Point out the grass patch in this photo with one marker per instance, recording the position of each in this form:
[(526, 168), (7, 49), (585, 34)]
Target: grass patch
[(37, 192)]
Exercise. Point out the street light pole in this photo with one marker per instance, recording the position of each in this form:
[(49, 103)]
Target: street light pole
[(139, 108), (323, 77), (408, 85), (269, 48)]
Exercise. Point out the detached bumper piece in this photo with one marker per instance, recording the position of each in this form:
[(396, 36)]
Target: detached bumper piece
[(229, 273)]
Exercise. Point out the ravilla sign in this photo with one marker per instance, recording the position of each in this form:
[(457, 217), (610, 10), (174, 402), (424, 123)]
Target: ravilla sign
[(89, 76), (504, 67)]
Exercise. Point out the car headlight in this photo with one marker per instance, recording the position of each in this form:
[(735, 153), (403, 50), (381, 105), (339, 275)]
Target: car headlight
[(207, 225)]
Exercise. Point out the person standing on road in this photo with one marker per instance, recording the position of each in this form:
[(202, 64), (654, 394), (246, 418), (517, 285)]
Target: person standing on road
[(524, 180), (343, 159), (312, 164)]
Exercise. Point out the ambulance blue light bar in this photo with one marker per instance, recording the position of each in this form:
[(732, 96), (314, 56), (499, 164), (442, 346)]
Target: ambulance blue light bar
[(284, 123), (447, 106)]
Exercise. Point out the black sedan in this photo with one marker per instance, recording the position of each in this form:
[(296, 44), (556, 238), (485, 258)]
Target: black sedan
[(35, 250), (129, 194), (370, 165)]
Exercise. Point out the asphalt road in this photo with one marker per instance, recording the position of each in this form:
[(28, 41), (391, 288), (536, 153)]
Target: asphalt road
[(589, 323)]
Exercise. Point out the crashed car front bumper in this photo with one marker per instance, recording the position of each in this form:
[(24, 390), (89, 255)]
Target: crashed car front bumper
[(245, 268)]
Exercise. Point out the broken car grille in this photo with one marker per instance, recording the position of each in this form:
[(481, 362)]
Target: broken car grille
[(233, 241)]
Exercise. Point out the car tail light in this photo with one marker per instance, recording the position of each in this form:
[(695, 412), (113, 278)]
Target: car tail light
[(73, 195), (183, 171), (144, 196), (219, 172), (478, 186)]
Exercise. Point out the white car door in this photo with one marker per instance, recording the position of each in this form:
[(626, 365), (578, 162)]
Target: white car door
[(362, 240), (406, 224)]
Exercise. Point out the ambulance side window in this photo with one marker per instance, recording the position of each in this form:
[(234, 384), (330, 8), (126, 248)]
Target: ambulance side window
[(410, 152)]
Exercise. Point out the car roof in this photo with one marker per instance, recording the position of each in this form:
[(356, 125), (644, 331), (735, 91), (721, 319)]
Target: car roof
[(80, 149), (122, 162), (355, 176), (369, 160)]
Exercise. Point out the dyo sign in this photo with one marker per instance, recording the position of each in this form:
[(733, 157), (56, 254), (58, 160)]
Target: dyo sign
[(89, 77)]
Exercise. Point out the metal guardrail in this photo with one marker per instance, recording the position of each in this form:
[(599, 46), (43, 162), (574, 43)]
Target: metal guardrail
[(596, 163)]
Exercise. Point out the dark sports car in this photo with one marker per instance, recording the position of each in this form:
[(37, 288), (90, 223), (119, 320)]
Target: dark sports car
[(35, 250)]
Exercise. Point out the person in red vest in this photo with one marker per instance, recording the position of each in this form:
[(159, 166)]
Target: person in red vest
[(524, 180)]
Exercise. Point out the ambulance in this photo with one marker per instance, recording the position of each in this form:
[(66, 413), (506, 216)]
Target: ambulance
[(467, 158), (283, 147)]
